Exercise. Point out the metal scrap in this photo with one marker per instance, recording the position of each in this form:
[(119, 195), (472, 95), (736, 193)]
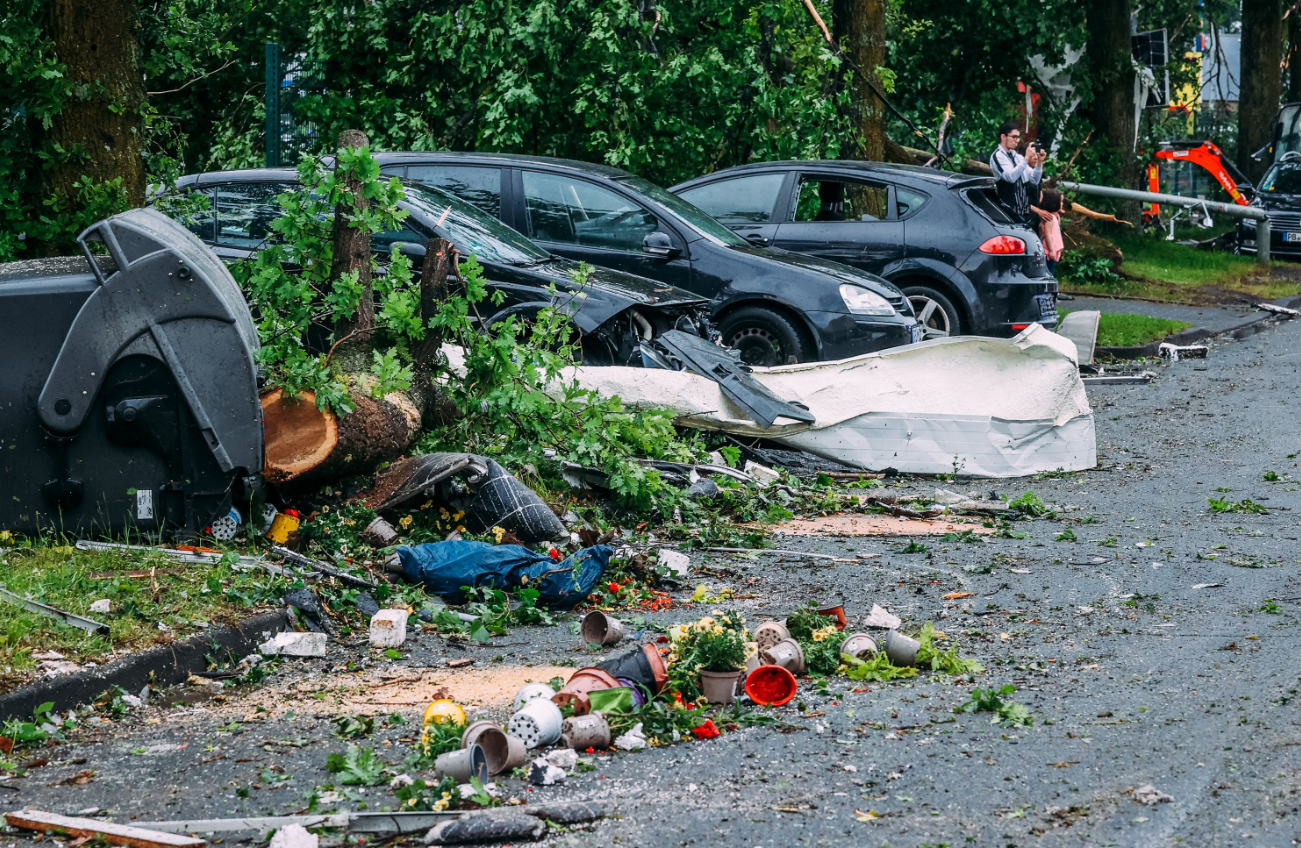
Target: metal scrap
[(42, 609), (115, 834)]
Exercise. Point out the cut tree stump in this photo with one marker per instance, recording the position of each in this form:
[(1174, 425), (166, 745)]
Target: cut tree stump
[(298, 436)]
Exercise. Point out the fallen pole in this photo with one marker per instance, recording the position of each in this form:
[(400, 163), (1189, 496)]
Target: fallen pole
[(1237, 210)]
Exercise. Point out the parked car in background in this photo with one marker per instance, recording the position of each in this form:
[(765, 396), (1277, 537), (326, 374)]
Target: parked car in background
[(613, 311), (1279, 195), (940, 237), (775, 307)]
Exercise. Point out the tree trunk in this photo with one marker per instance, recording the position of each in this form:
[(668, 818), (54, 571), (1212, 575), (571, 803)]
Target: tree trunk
[(1112, 71), (1262, 80), (352, 256), (859, 29), (1294, 55), (100, 129)]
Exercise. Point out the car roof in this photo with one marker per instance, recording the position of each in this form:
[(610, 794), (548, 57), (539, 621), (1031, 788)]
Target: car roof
[(415, 157), (245, 175), (913, 173)]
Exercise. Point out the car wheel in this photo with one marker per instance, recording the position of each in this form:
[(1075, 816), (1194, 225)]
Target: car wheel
[(763, 337), (934, 311)]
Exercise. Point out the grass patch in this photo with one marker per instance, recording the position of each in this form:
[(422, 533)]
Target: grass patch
[(1119, 330), (145, 612)]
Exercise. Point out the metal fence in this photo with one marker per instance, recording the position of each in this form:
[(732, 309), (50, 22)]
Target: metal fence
[(288, 81)]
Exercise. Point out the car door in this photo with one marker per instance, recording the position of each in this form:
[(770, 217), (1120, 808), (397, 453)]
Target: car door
[(746, 204), (579, 219), (478, 185), (845, 219), (242, 214)]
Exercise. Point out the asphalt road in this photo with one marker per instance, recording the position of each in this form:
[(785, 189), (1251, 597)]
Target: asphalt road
[(1133, 675)]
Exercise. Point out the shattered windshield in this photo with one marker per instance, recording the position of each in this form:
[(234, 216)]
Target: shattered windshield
[(1283, 179), (695, 218), (471, 230)]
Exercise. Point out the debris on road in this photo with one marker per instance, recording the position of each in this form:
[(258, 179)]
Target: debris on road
[(388, 628), (1174, 353), (114, 834), (1149, 796), (859, 524), (882, 619), (289, 643), (86, 624), (543, 773), (294, 836), (675, 561), (1081, 327), (103, 605), (446, 568)]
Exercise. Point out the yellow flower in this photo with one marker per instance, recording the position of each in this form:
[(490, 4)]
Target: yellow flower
[(821, 635), (439, 806), (460, 529), (405, 521), (677, 632), (427, 504), (498, 532), (459, 515), (443, 512)]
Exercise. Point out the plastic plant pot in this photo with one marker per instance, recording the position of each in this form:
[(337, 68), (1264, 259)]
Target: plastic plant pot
[(788, 654), (752, 661), (771, 686), (860, 646), (494, 742), (601, 629), (643, 666), (583, 732), (583, 681), (719, 686), (530, 691), (517, 753), (443, 711), (901, 649), (838, 613), (537, 723), (463, 764), (770, 633)]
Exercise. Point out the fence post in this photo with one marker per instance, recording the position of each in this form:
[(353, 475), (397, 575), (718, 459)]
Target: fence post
[(273, 105)]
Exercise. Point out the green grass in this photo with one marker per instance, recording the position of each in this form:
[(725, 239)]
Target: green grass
[(1119, 330), (197, 595)]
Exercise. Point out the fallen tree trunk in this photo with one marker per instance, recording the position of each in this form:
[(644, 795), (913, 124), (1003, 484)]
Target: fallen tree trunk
[(309, 445)]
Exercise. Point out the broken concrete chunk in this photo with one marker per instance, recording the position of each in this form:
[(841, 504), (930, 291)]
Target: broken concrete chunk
[(948, 496), (879, 617), (543, 773), (487, 827), (1174, 353), (633, 740), (290, 644), (294, 836), (704, 489), (102, 605), (565, 758), (1149, 795), (388, 628), (762, 474), (675, 561)]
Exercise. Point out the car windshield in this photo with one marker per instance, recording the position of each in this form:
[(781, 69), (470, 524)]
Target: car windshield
[(1283, 179), (472, 230), (695, 218)]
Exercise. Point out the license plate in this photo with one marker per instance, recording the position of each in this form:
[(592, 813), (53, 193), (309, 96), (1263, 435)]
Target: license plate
[(1047, 304), (1291, 236), (916, 333)]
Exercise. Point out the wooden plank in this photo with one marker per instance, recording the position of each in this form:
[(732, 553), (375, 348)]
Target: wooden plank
[(115, 834)]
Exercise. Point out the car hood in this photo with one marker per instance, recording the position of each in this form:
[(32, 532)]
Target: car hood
[(815, 266), (1271, 202)]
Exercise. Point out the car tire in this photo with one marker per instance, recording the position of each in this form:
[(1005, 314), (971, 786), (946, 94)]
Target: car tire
[(941, 317), (764, 337)]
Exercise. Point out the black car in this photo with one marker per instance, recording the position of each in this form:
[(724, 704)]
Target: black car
[(942, 238), (775, 307), (613, 311), (1279, 195)]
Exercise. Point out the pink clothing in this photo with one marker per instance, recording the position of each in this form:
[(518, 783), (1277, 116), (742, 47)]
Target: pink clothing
[(1052, 230)]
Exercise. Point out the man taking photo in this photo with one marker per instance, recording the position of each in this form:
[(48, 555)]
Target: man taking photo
[(1018, 176)]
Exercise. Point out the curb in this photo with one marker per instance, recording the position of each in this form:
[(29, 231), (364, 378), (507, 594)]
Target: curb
[(1184, 337), (164, 666)]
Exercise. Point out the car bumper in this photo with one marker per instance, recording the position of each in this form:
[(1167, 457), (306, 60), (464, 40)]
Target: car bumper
[(842, 335), (1011, 308)]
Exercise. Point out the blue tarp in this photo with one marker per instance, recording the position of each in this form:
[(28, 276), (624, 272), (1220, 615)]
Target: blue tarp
[(444, 567)]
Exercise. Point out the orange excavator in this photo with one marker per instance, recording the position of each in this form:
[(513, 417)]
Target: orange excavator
[(1201, 153)]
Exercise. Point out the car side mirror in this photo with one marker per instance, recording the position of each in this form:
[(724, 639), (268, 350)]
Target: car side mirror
[(659, 244), (411, 248)]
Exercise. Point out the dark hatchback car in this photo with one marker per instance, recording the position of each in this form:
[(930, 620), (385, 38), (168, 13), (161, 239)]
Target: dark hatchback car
[(942, 238), (1279, 195), (775, 307), (614, 312)]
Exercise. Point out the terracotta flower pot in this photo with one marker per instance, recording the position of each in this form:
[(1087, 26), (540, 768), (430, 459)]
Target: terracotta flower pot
[(601, 629), (719, 686), (770, 686), (643, 666), (583, 732), (901, 649), (494, 742), (463, 764), (583, 681), (770, 633), (529, 691), (860, 646), (538, 723), (838, 613), (788, 654)]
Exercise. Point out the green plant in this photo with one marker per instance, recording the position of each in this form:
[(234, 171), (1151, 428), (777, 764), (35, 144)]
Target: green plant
[(1271, 607), (913, 547), (356, 766), (946, 661), (1270, 476), (710, 644), (439, 738), (804, 622), (1067, 535), (351, 727), (1084, 267), (419, 796), (877, 668), (1029, 504), (1246, 505), (1006, 713), (1109, 542), (822, 651)]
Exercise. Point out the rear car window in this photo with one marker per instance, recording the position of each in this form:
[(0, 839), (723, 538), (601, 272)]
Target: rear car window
[(986, 200), (908, 202), (744, 200), (475, 185)]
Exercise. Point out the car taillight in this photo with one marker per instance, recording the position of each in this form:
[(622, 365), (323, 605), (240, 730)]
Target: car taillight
[(1003, 245)]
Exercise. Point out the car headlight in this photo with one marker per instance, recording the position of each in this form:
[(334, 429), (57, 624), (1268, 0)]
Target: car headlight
[(863, 301)]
